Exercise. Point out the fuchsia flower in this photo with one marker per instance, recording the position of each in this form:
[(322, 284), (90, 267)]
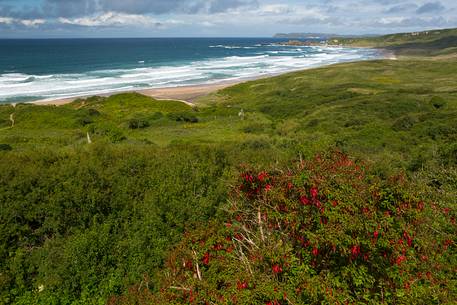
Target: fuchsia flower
[(355, 250), (205, 259), (262, 176), (242, 285), (314, 192), (408, 238), (305, 201), (400, 259), (315, 251), (276, 269)]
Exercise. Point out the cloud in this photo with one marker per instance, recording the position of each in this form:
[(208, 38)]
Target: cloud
[(25, 22), (224, 17), (401, 8), (111, 19), (430, 7), (408, 22), (77, 8)]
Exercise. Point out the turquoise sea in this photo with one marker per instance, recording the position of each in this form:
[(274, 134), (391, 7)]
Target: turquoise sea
[(58, 68)]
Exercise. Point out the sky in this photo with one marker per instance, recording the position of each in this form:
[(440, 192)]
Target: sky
[(219, 18)]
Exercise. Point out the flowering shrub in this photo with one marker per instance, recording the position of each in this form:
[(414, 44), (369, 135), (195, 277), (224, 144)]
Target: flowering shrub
[(322, 232)]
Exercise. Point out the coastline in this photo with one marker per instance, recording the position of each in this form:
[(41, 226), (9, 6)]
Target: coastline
[(185, 94), (188, 94)]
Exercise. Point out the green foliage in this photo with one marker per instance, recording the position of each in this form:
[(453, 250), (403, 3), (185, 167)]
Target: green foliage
[(404, 123), (5, 147), (438, 102), (324, 231), (184, 117), (86, 224), (138, 123), (113, 133)]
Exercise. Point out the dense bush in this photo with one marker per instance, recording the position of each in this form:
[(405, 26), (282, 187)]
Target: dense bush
[(404, 123), (5, 147), (438, 102), (184, 117), (138, 123), (321, 232), (78, 226), (110, 131)]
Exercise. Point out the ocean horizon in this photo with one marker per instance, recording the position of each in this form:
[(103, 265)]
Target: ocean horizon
[(47, 69)]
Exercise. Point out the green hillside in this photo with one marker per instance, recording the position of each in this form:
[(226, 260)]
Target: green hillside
[(426, 43), (118, 199)]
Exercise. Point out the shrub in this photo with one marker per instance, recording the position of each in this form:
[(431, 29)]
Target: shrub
[(448, 154), (404, 123), (113, 133), (438, 102), (86, 120), (5, 147), (138, 123), (256, 128), (184, 117), (93, 112), (321, 232)]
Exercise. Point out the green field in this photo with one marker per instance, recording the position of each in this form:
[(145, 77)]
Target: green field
[(80, 221)]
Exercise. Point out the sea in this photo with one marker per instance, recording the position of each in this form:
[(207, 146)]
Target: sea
[(46, 69)]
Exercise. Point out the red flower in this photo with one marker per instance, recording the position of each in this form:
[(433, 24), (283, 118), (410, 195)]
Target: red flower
[(188, 265), (248, 177), (420, 206), (355, 250), (375, 234), (267, 187), (335, 203), (205, 259), (314, 192), (409, 240), (400, 259), (305, 201), (276, 269), (315, 251), (218, 247), (290, 185), (262, 176), (242, 285)]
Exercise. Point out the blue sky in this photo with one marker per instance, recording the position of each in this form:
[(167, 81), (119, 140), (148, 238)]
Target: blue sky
[(210, 18)]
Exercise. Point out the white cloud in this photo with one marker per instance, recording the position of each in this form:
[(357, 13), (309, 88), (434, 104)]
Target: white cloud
[(32, 22), (112, 19), (274, 9), (24, 22), (6, 20)]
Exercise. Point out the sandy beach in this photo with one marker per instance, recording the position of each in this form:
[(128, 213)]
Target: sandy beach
[(186, 94)]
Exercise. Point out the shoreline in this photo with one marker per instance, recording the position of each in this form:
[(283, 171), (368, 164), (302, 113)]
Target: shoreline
[(187, 93)]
